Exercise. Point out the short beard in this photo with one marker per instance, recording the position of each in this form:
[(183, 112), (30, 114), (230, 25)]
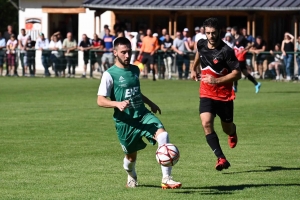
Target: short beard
[(216, 40), (120, 61)]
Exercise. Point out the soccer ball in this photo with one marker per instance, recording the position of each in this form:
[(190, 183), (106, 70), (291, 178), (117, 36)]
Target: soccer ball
[(167, 155)]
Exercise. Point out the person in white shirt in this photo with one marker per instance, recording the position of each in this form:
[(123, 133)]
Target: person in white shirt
[(133, 40), (42, 44), (22, 38), (228, 40), (277, 64), (56, 54), (198, 36), (11, 46)]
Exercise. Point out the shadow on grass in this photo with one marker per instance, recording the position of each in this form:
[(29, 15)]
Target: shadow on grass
[(225, 189), (269, 169)]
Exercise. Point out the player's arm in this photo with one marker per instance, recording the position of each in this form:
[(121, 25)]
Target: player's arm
[(233, 64), (154, 108), (104, 91), (196, 63)]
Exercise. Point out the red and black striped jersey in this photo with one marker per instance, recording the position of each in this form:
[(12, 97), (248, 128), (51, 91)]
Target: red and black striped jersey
[(217, 62)]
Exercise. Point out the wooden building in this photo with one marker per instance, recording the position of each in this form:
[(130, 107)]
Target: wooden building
[(267, 18)]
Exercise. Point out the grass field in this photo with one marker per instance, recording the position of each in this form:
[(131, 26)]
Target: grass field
[(55, 143)]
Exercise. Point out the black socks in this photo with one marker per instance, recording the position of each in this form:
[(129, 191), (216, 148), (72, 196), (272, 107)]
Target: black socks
[(213, 141), (252, 79)]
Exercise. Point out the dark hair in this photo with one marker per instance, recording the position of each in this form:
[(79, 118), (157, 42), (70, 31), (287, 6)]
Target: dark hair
[(259, 37), (235, 28), (121, 41), (212, 22), (278, 44)]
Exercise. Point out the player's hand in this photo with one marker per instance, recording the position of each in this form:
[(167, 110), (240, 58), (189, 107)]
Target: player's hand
[(208, 79), (194, 75), (152, 52), (154, 108), (122, 105)]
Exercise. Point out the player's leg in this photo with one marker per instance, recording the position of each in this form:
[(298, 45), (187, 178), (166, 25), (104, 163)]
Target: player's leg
[(153, 66), (162, 137), (244, 70), (129, 166), (207, 114), (154, 131)]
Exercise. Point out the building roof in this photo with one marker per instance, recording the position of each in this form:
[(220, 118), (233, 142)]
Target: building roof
[(247, 5)]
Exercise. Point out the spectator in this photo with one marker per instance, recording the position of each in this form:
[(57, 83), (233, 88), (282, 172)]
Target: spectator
[(258, 47), (297, 49), (119, 27), (287, 47), (187, 39), (102, 33), (228, 30), (22, 37), (108, 48), (11, 46), (199, 35), (133, 40), (98, 44), (29, 57), (163, 35), (166, 47), (85, 46), (146, 55), (180, 47), (120, 34), (69, 45), (42, 44), (277, 63), (6, 36), (228, 39), (56, 54), (251, 40), (2, 46), (197, 30)]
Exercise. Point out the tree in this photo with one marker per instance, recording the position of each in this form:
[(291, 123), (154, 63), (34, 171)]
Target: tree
[(8, 15)]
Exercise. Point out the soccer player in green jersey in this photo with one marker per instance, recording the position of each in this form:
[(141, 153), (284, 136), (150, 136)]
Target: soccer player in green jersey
[(120, 89)]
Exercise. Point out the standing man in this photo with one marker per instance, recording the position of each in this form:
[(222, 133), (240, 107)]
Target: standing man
[(22, 38), (98, 44), (70, 45), (108, 48), (42, 44), (7, 35), (219, 69), (182, 56), (149, 47), (85, 46), (132, 119), (241, 46), (166, 47)]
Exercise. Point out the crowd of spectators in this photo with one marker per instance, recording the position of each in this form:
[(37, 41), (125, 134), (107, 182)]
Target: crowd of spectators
[(158, 52)]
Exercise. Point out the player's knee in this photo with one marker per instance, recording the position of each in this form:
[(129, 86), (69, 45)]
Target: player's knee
[(207, 125)]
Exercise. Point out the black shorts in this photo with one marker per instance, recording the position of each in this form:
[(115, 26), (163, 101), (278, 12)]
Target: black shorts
[(260, 58), (86, 59), (242, 65), (224, 109), (147, 58)]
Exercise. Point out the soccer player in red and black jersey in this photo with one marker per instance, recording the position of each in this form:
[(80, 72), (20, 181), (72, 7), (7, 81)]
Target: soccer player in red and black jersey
[(241, 46), (219, 69)]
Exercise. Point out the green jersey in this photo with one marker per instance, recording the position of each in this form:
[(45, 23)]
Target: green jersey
[(123, 84)]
